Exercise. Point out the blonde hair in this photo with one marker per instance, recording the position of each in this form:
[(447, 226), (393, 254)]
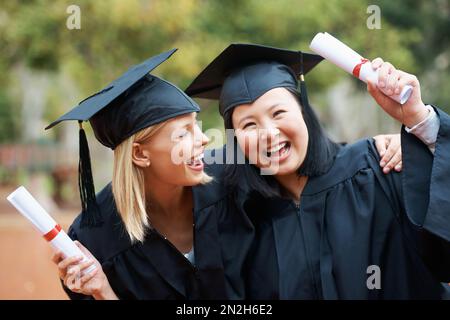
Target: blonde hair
[(128, 185)]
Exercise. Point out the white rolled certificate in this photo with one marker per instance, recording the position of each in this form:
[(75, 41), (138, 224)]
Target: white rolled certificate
[(346, 58), (27, 205)]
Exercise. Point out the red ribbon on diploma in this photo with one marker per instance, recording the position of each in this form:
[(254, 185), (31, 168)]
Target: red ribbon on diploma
[(357, 68), (49, 236)]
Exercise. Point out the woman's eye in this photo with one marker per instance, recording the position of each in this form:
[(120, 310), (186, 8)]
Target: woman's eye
[(278, 112), (248, 125)]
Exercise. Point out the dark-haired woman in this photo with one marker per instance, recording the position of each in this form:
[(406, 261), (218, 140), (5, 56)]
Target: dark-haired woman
[(329, 224)]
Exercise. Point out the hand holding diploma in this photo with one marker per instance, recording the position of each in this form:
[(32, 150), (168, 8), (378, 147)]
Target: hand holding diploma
[(94, 283), (25, 203), (79, 270), (390, 82), (397, 92), (344, 57)]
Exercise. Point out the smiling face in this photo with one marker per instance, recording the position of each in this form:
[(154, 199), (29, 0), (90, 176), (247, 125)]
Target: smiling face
[(271, 132), (173, 154)]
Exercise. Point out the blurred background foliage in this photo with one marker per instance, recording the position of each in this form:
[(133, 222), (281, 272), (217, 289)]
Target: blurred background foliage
[(38, 52)]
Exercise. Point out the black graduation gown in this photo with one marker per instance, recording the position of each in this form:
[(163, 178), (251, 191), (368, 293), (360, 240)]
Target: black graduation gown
[(155, 269), (353, 217)]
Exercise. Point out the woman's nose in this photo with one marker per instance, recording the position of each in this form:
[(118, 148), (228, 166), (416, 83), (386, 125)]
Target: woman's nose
[(205, 139), (200, 139), (269, 134)]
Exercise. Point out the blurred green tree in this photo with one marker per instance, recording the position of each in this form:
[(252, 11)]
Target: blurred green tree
[(116, 34)]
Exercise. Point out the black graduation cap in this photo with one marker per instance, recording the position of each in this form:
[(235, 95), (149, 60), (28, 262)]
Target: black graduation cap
[(134, 101), (244, 72)]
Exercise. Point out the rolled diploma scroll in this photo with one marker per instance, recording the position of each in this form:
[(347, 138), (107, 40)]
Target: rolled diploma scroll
[(51, 231), (344, 57)]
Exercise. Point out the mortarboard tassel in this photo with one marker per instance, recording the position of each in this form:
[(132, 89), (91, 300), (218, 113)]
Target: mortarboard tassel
[(90, 216), (303, 93)]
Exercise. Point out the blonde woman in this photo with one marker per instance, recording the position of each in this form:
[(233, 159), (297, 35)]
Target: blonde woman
[(163, 229)]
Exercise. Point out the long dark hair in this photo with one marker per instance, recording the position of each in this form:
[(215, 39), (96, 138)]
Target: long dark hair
[(319, 158)]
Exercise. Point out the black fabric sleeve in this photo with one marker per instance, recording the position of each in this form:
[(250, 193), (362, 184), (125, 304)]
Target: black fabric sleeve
[(426, 194)]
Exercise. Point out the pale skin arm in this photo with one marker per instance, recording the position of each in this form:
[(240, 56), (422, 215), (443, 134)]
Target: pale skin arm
[(95, 283)]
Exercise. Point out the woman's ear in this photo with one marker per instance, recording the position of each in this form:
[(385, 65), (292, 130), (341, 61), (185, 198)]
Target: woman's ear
[(140, 155)]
